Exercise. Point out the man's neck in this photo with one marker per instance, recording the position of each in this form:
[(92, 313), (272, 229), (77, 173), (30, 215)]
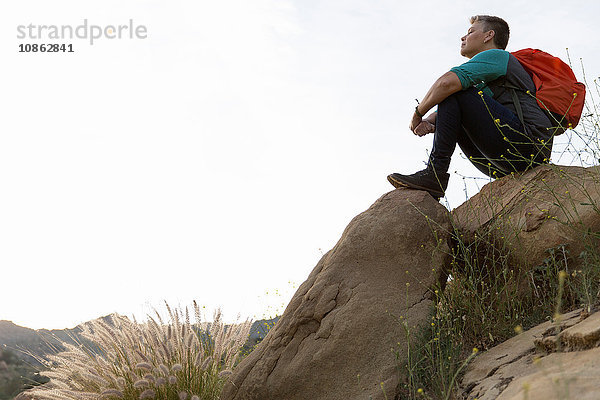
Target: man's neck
[(482, 50)]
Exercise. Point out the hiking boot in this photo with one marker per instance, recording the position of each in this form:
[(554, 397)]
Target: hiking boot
[(435, 183)]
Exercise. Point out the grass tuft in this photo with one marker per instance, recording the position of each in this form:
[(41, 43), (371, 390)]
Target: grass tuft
[(150, 360)]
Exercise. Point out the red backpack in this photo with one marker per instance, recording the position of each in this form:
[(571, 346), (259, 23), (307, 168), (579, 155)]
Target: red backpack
[(557, 91)]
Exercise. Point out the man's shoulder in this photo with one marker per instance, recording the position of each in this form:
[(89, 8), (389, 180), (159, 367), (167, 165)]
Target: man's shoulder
[(483, 67), (492, 54)]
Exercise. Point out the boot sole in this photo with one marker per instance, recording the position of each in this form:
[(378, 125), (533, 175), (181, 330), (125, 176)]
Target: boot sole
[(399, 184)]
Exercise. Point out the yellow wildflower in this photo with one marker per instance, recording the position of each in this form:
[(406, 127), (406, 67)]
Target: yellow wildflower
[(518, 329)]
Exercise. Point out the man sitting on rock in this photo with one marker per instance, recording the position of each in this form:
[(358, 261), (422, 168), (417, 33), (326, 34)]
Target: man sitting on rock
[(476, 111)]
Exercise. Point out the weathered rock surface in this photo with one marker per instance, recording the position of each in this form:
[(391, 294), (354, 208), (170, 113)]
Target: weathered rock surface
[(522, 369), (560, 376), (338, 336), (534, 211), (491, 371), (584, 335)]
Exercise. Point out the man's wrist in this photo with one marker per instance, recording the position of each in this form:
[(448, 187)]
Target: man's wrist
[(418, 113)]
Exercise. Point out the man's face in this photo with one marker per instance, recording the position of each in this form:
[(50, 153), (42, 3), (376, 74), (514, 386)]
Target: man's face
[(473, 42)]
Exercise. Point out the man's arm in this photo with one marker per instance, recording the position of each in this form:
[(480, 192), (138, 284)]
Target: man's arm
[(446, 85)]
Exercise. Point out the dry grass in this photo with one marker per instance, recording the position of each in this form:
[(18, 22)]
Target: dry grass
[(176, 360)]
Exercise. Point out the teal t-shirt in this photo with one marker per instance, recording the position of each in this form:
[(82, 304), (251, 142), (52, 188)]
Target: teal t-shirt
[(484, 67)]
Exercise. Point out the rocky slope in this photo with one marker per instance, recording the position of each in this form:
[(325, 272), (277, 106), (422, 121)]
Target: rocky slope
[(555, 360), (335, 340)]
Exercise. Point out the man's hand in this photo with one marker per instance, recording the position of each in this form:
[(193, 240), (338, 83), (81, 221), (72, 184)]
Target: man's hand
[(416, 120), (424, 128)]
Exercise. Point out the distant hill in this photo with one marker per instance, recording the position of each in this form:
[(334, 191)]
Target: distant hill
[(31, 346), (16, 375)]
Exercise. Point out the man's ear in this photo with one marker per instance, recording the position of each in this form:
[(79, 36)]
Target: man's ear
[(489, 35)]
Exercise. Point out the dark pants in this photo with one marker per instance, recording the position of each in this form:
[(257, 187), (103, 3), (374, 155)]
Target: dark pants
[(489, 134)]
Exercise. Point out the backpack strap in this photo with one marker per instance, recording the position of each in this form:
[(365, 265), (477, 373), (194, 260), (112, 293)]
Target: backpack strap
[(554, 118), (517, 104), (501, 82)]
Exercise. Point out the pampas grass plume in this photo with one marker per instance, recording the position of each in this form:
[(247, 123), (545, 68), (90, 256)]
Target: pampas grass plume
[(148, 394), (130, 360)]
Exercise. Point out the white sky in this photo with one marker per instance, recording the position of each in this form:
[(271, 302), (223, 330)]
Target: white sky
[(218, 158)]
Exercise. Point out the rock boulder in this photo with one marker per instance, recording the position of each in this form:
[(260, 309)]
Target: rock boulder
[(341, 337), (534, 211)]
